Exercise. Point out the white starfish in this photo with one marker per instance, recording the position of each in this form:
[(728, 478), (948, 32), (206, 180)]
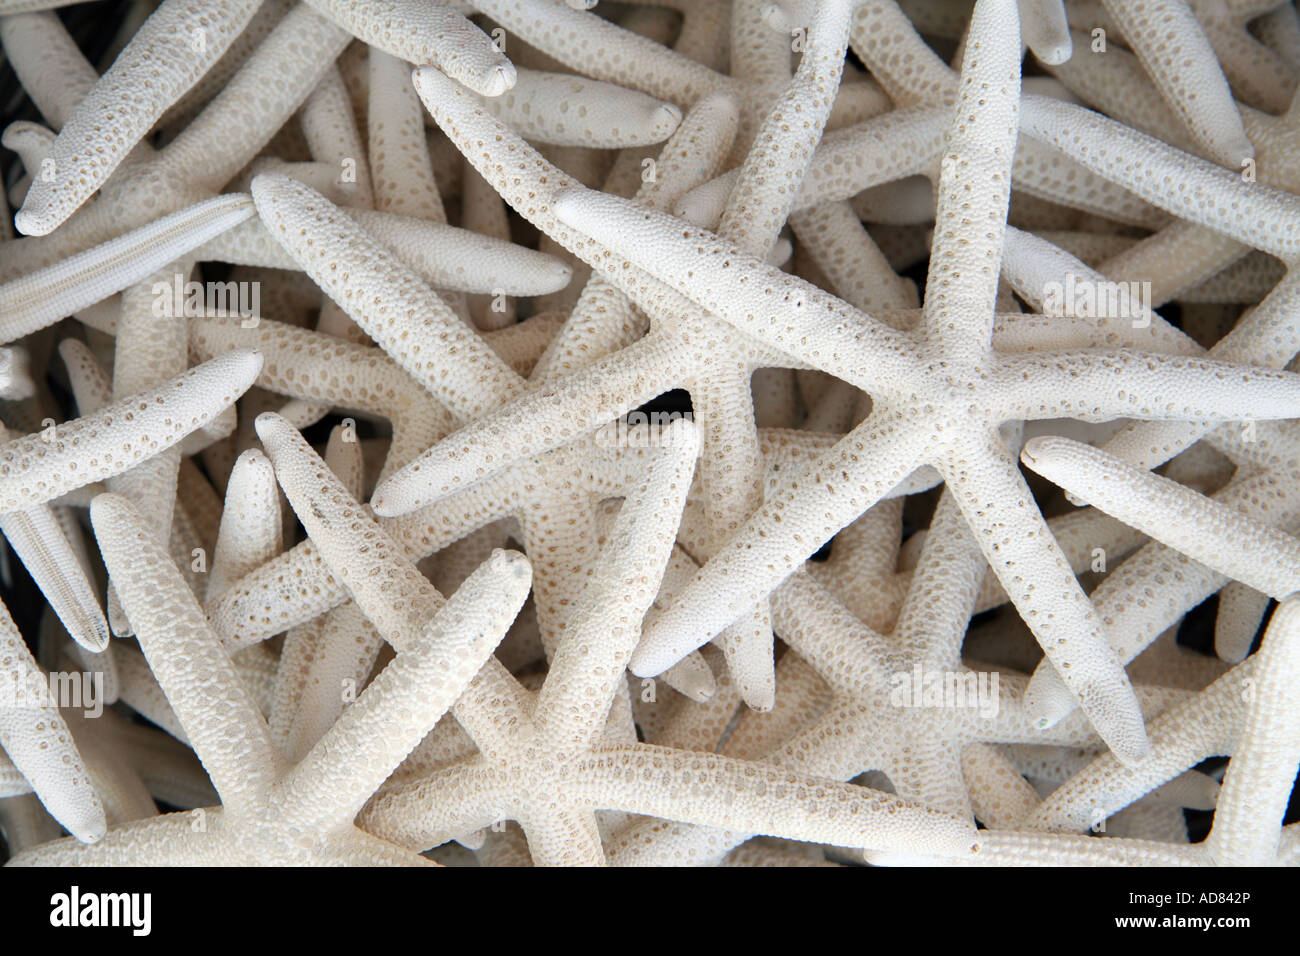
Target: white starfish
[(271, 813), (963, 279)]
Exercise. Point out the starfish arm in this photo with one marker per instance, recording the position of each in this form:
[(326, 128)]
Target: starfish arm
[(878, 151), (172, 49), (792, 524), (140, 690), (15, 375), (1218, 536), (814, 624), (40, 543), (379, 291), (1190, 188), (1000, 797), (1178, 57), (451, 258), (951, 567), (383, 582), (426, 32), (547, 415), (1205, 725), (53, 70), (725, 400), (597, 48), (42, 467), (974, 187), (446, 257), (1046, 30), (222, 721), (170, 840), (250, 529), (988, 487), (317, 662), (763, 799), (47, 295), (1266, 336), (590, 113), (1279, 30), (12, 781), (1129, 384), (530, 185), (39, 743), (563, 838), (1118, 85), (330, 128), (32, 142), (1134, 615), (256, 607), (402, 704), (150, 349), (778, 160), (428, 812), (399, 153), (314, 366), (278, 76), (1018, 848), (1256, 788), (592, 657), (1036, 269), (357, 848), (1241, 610), (784, 312), (168, 768)]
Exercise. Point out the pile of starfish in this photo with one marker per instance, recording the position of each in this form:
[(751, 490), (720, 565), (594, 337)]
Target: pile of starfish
[(507, 433)]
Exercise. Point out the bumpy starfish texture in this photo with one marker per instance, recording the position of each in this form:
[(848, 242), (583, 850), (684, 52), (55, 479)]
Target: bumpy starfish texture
[(377, 323), (271, 813)]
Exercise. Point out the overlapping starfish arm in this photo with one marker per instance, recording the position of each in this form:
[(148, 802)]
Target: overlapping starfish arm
[(597, 48), (752, 569), (51, 559), (592, 656), (1186, 72), (1046, 30), (54, 70), (172, 49), (775, 308), (277, 76), (1236, 544), (261, 819), (45, 296), (1190, 188), (567, 110), (998, 505), (379, 292), (1204, 725), (385, 585), (221, 722), (1252, 804), (974, 188), (250, 523), (422, 33), (409, 696), (39, 744), (42, 467)]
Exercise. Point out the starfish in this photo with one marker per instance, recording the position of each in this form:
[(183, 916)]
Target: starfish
[(953, 351), (38, 743), (516, 776), (865, 724), (477, 276), (718, 376), (273, 814)]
